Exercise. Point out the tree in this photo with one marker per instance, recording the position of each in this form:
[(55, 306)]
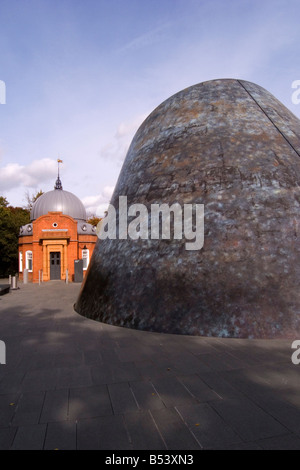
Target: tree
[(11, 219), (3, 201), (30, 200), (94, 220)]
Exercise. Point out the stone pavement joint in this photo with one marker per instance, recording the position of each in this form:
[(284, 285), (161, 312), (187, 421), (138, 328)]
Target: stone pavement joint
[(73, 383)]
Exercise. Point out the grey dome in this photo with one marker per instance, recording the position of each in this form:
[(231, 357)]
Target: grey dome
[(61, 201)]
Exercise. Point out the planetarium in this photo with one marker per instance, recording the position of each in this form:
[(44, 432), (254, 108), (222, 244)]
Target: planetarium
[(233, 147), (58, 242)]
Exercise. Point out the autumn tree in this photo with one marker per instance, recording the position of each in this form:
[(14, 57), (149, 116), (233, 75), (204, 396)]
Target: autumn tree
[(94, 220)]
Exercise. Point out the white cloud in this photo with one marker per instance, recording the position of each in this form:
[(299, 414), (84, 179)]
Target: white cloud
[(117, 148), (98, 204), (14, 175)]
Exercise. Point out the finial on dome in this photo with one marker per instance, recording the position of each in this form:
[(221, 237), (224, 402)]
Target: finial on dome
[(58, 184)]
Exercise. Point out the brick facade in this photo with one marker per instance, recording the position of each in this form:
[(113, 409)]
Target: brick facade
[(53, 232)]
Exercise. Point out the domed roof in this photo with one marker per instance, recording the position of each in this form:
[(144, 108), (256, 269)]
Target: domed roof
[(60, 201)]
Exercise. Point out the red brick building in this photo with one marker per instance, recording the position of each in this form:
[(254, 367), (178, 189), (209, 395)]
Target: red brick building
[(57, 236)]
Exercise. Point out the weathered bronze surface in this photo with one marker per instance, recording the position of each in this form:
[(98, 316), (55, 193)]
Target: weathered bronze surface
[(230, 145)]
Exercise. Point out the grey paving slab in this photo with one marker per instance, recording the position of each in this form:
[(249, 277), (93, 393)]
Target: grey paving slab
[(110, 356), (247, 381), (76, 383), (143, 432), (114, 373), (28, 409), (285, 413), (100, 374), (281, 376), (198, 388), (172, 392), (129, 353), (89, 402), (196, 345), (8, 405), (291, 396), (105, 433), (240, 349), (72, 377), (165, 362), (219, 361), (55, 406), (29, 437), (209, 428), (125, 371), (149, 369), (11, 382), (146, 396), (3, 372), (38, 360), (61, 436), (220, 385), (40, 380), (92, 357), (286, 442), (186, 362), (122, 398), (273, 381), (248, 420), (7, 436), (174, 432), (240, 446), (69, 359)]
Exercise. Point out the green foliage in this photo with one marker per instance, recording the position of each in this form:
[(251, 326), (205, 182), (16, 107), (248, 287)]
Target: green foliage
[(11, 219), (93, 220), (3, 201)]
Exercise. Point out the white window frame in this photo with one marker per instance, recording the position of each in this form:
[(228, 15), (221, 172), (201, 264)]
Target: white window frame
[(85, 254), (20, 261), (29, 257)]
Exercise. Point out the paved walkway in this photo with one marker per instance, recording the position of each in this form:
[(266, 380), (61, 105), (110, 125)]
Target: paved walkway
[(72, 383)]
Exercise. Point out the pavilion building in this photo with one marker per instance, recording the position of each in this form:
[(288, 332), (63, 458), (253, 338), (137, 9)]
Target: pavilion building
[(58, 242)]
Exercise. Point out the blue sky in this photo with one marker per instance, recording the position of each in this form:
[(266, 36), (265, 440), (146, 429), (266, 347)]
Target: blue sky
[(82, 75)]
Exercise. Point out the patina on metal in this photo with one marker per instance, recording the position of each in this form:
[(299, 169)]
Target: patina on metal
[(230, 145)]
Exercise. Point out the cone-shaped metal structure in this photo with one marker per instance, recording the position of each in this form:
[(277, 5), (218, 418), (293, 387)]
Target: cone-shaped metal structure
[(230, 145)]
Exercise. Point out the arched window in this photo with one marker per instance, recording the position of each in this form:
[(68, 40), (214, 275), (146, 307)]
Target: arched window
[(85, 258), (21, 262), (29, 260)]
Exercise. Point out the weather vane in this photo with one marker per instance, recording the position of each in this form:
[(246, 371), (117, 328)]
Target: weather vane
[(58, 184), (58, 162)]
